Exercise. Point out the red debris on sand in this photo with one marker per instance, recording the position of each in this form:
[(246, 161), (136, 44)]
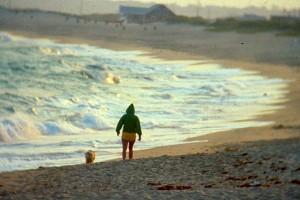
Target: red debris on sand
[(283, 168), (174, 187), (266, 158), (296, 170), (235, 179), (295, 181), (251, 185), (240, 179), (154, 183), (241, 162), (261, 162)]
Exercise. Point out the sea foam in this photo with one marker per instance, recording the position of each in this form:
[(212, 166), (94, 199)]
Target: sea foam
[(58, 100), (17, 128)]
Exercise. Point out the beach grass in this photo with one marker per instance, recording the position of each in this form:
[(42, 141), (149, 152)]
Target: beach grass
[(180, 19), (240, 25)]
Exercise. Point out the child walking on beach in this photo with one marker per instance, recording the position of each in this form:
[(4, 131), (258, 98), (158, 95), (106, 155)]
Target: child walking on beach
[(131, 127)]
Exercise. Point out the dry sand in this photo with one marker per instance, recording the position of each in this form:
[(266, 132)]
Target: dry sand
[(256, 170), (260, 162)]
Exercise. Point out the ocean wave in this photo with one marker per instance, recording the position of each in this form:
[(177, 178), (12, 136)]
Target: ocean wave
[(20, 127), (87, 74), (216, 90), (107, 78), (112, 79), (91, 121), (162, 96), (18, 98), (143, 77), (47, 50), (51, 128), (179, 77), (153, 125), (97, 67), (12, 129), (5, 37), (12, 157), (8, 38)]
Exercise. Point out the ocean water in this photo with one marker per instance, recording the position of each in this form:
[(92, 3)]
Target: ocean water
[(60, 100)]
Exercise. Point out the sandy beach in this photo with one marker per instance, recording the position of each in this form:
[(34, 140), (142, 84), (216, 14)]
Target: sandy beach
[(259, 162)]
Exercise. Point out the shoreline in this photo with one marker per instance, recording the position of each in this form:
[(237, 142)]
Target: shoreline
[(279, 118), (265, 69), (256, 162)]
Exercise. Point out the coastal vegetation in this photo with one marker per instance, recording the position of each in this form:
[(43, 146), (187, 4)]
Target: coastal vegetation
[(244, 26), (101, 17), (180, 19), (240, 25)]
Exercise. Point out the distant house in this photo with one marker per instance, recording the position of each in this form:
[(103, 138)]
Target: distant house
[(252, 17), (139, 15)]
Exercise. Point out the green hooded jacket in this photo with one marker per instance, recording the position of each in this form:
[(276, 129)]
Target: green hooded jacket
[(130, 121)]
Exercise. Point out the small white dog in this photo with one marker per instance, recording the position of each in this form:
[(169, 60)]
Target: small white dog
[(90, 156)]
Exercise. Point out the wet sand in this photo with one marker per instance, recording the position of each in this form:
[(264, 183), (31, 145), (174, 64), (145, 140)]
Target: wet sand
[(260, 162)]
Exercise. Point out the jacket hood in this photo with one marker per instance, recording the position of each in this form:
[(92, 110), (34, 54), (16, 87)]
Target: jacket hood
[(130, 109)]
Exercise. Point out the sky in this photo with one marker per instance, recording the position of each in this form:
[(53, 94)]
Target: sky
[(283, 4)]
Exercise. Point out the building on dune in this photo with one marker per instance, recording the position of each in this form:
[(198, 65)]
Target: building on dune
[(140, 15)]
